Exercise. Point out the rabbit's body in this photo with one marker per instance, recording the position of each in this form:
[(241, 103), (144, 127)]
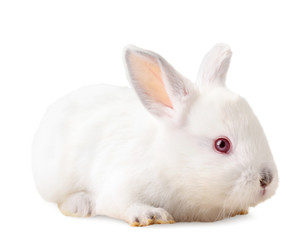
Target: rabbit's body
[(85, 138), (98, 152)]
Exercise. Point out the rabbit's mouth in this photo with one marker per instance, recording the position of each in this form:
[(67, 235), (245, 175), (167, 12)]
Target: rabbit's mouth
[(253, 188), (264, 191), (269, 191)]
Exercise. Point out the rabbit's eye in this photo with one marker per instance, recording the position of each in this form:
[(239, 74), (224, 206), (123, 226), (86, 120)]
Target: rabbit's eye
[(222, 145)]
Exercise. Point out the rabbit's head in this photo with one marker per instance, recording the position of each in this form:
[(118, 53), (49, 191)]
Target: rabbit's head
[(212, 140)]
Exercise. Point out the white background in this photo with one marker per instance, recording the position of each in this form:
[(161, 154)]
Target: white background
[(49, 48)]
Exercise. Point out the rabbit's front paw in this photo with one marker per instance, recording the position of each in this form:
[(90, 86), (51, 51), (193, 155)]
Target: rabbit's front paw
[(143, 215), (241, 212)]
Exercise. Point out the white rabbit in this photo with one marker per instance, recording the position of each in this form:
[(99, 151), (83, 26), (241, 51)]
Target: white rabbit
[(187, 153)]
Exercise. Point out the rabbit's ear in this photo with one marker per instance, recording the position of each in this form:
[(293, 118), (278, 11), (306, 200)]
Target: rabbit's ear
[(161, 89), (214, 67)]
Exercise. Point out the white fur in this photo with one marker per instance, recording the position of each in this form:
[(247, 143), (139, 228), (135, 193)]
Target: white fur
[(99, 152)]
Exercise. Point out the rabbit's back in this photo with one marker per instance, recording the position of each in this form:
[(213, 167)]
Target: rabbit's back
[(77, 130)]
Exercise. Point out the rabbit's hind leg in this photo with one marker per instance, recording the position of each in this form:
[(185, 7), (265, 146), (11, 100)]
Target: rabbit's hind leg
[(78, 204)]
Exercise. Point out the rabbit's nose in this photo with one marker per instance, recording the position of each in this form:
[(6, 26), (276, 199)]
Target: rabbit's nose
[(266, 177)]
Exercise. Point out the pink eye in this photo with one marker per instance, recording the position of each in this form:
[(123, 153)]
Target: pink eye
[(222, 145)]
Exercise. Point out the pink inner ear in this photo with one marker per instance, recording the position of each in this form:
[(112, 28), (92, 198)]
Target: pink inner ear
[(149, 77)]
